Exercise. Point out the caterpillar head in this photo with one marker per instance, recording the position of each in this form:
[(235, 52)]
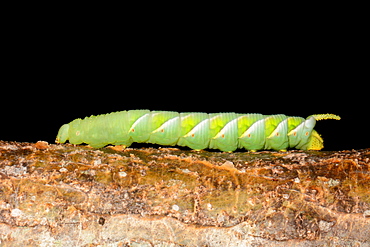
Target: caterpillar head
[(315, 141), (63, 136)]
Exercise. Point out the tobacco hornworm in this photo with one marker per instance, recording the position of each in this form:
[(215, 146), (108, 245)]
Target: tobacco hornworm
[(223, 131)]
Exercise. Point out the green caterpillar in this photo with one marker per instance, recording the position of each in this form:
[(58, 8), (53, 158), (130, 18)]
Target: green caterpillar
[(223, 131)]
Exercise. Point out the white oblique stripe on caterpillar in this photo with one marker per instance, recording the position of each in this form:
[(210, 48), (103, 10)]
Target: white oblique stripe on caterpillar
[(223, 131)]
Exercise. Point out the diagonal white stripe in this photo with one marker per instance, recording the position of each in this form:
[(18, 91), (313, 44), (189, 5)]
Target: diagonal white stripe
[(282, 127), (229, 127), (199, 127), (253, 127), (140, 119), (167, 124)]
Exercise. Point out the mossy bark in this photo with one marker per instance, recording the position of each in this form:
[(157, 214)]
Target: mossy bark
[(65, 195)]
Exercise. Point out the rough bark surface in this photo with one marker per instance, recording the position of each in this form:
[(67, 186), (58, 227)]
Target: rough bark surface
[(65, 195)]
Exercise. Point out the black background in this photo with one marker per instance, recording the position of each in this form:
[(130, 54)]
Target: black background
[(54, 73)]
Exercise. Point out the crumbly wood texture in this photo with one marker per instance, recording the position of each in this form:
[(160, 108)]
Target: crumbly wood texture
[(65, 195)]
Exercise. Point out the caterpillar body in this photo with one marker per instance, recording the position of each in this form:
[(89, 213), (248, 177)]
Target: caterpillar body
[(223, 131)]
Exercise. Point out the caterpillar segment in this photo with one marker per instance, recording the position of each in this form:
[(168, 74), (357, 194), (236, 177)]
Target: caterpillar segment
[(223, 131)]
